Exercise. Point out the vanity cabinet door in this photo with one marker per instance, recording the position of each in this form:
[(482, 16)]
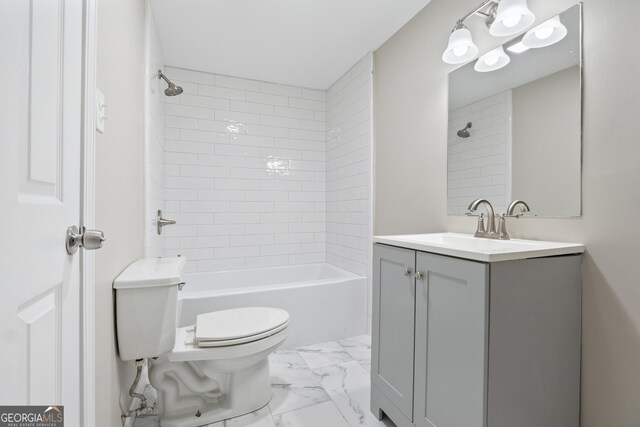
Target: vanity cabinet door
[(393, 325), (451, 342)]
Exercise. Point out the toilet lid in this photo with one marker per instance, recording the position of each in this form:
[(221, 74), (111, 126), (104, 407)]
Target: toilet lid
[(237, 323)]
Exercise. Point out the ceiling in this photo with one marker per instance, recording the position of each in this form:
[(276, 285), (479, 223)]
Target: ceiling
[(309, 43)]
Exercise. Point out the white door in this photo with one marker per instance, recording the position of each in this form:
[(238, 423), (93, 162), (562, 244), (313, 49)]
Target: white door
[(40, 158)]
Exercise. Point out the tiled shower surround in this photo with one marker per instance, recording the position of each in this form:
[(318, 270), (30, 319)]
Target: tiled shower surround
[(349, 169), (251, 180)]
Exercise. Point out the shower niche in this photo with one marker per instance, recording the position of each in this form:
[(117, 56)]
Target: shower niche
[(515, 132)]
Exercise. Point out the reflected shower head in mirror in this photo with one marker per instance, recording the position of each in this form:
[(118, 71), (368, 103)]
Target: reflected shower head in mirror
[(172, 90), (464, 133)]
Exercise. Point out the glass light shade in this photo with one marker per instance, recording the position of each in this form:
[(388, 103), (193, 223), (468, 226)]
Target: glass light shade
[(512, 17), (460, 48), (545, 34), (493, 60)]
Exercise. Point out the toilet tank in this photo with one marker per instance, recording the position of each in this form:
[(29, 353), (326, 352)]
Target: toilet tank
[(146, 307)]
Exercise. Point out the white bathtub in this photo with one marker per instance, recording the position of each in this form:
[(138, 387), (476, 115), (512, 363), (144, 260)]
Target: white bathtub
[(326, 303)]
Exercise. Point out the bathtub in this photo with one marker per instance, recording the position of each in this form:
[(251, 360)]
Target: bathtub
[(326, 303)]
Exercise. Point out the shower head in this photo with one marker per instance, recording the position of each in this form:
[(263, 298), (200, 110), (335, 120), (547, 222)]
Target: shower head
[(464, 133), (172, 90)]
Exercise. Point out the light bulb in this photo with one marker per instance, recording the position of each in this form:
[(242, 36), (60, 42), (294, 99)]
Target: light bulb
[(511, 17), (544, 32), (460, 50), (461, 47), (491, 59), (511, 21)]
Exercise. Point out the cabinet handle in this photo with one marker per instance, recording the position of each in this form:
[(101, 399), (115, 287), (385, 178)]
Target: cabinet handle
[(406, 271), (418, 275)]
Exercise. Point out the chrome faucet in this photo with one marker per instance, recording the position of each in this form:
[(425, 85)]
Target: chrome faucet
[(488, 230)]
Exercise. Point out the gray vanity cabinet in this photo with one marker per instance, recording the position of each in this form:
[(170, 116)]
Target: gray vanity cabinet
[(451, 337), (394, 301), (461, 343)]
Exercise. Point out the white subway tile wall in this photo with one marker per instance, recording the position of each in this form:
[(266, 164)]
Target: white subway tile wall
[(480, 165), (245, 172), (349, 132), (349, 172), (154, 141)]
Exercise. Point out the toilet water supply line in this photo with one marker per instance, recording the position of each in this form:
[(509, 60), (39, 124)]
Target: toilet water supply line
[(132, 391)]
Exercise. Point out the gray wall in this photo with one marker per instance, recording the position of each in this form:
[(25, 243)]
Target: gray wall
[(546, 143), (410, 118), (119, 183)]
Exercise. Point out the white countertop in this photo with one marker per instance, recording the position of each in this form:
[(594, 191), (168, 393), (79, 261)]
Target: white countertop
[(479, 249)]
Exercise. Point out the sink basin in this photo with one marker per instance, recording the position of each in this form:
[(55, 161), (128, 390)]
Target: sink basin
[(477, 249)]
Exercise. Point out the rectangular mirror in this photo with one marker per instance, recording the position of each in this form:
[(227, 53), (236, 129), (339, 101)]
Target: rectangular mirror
[(516, 132)]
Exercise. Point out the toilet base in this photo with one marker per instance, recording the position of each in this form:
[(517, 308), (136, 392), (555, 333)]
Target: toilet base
[(192, 394)]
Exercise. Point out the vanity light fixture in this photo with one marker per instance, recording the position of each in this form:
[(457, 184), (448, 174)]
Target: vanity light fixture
[(545, 34), (461, 47), (511, 17), (492, 60), (502, 17)]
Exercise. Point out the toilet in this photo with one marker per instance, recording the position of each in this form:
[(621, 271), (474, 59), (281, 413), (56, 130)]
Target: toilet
[(213, 370)]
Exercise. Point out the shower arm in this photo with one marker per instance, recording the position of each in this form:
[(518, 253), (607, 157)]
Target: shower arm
[(163, 77)]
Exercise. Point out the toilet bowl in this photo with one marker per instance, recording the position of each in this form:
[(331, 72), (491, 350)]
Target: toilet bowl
[(213, 370), (222, 377)]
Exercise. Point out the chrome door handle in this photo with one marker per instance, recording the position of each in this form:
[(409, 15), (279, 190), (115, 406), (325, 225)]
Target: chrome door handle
[(419, 275), (161, 222), (406, 271), (83, 238)]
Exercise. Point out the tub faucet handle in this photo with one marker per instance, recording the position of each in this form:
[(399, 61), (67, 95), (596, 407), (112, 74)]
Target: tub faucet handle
[(161, 222)]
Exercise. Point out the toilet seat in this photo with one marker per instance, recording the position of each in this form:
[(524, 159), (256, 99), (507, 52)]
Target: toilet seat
[(237, 326), (185, 349), (251, 338), (240, 332)]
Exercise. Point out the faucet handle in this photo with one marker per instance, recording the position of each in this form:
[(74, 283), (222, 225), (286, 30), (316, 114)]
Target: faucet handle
[(502, 228), (481, 230), (518, 215), (161, 222), (515, 215)]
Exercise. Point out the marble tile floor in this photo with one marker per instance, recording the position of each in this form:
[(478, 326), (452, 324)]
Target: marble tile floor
[(321, 385)]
